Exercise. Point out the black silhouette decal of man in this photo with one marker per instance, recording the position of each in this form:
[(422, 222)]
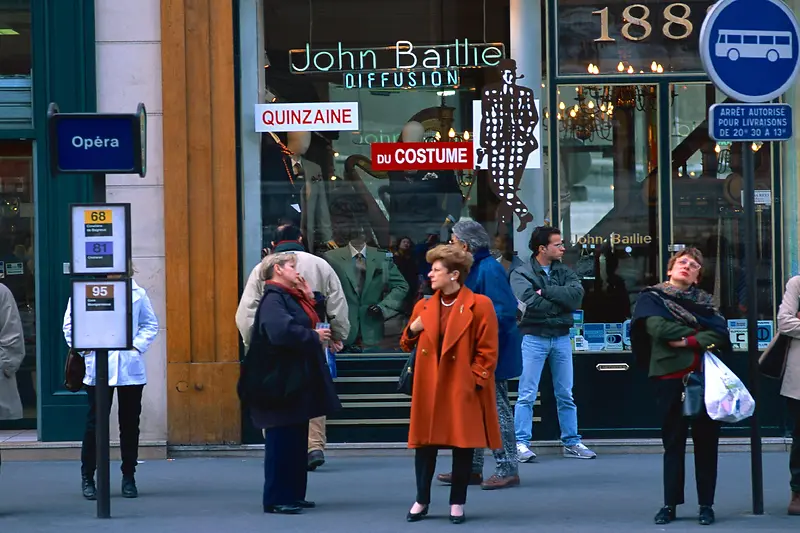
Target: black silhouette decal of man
[(507, 139)]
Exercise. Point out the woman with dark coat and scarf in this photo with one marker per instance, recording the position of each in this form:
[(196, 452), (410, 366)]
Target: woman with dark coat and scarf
[(674, 323), (285, 382)]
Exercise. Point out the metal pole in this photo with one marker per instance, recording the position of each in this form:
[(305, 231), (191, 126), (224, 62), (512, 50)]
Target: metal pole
[(103, 408), (751, 276)]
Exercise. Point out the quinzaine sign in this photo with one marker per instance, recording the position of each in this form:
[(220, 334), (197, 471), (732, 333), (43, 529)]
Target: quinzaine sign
[(402, 65)]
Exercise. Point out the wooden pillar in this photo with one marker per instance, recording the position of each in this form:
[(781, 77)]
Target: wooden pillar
[(200, 218)]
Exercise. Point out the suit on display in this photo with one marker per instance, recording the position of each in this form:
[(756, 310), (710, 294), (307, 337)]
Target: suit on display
[(507, 139), (421, 200), (293, 189), (373, 287)]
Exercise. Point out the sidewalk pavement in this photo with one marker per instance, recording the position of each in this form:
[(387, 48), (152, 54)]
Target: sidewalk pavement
[(372, 494)]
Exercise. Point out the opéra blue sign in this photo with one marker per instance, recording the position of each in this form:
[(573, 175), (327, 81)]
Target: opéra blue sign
[(749, 48), (83, 143), (750, 122)]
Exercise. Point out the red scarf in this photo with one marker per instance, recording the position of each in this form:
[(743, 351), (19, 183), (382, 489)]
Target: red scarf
[(305, 302)]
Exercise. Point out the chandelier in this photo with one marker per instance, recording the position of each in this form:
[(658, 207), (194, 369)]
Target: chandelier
[(593, 113), (591, 116)]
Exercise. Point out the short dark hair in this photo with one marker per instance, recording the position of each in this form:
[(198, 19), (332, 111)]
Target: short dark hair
[(287, 232), (541, 237)]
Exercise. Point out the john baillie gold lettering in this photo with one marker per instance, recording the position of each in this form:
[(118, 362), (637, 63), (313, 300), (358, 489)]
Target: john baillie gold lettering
[(614, 238)]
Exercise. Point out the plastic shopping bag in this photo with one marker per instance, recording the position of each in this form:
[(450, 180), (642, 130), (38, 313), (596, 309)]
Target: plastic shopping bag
[(727, 399), (330, 360)]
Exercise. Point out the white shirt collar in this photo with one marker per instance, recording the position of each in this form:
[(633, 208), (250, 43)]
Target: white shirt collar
[(354, 252)]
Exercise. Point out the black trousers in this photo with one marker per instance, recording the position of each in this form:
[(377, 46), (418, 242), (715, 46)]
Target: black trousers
[(425, 466), (129, 402), (674, 431), (794, 457), (285, 464)]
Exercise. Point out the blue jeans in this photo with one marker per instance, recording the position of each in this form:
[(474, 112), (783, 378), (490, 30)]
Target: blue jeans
[(535, 351)]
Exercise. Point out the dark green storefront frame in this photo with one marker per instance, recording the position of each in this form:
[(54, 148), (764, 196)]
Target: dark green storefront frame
[(63, 48)]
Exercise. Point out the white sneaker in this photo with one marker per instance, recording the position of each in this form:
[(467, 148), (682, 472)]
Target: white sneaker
[(524, 454), (579, 451)]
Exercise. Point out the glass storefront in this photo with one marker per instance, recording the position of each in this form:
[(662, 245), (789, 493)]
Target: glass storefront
[(17, 266), (17, 228), (624, 147), (416, 74)]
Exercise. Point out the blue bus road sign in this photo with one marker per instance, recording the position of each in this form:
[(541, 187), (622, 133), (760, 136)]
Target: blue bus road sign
[(749, 48), (750, 122), (83, 143)]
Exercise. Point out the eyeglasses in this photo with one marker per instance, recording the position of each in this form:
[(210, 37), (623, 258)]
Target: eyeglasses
[(693, 265), (558, 244)]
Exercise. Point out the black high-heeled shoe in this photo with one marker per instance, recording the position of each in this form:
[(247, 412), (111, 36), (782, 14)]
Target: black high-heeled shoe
[(416, 517), (458, 519)]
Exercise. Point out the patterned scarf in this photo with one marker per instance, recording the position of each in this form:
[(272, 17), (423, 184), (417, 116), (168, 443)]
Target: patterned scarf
[(674, 299)]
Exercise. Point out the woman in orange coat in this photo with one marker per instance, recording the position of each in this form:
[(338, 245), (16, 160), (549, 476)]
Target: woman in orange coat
[(453, 400)]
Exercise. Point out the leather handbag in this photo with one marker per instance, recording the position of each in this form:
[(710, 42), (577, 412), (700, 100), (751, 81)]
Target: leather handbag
[(772, 362), (405, 384), (693, 397), (74, 371)]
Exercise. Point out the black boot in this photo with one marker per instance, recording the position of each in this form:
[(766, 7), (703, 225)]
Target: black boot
[(706, 516), (129, 489), (88, 487), (665, 515)]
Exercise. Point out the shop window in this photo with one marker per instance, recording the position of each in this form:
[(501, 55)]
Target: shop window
[(707, 207), (15, 39), (17, 265), (15, 65), (607, 153), (326, 182)]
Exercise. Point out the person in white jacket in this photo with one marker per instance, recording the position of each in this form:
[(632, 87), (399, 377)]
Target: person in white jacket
[(321, 278), (126, 376)]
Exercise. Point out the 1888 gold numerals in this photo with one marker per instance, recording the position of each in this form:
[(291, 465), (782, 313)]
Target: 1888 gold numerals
[(637, 25)]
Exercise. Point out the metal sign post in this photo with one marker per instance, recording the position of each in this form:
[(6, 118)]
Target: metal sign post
[(750, 51), (100, 244)]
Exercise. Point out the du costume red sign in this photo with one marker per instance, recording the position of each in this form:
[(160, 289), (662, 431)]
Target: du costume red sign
[(423, 156)]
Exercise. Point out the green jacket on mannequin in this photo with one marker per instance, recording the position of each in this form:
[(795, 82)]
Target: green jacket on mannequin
[(383, 286)]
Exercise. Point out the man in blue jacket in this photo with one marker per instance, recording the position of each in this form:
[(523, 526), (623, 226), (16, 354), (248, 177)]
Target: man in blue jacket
[(488, 277)]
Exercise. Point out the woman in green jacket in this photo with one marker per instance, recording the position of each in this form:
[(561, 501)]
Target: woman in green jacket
[(673, 325)]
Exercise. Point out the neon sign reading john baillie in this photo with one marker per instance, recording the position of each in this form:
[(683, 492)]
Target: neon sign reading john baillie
[(401, 65)]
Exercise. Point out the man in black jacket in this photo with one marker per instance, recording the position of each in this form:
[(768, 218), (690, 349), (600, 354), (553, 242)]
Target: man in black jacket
[(549, 292)]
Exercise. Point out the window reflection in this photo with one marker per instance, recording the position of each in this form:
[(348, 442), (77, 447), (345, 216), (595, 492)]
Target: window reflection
[(17, 261), (15, 38), (707, 203), (608, 164)]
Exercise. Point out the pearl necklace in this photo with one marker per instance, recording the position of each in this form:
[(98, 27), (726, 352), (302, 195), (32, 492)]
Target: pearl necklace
[(451, 304)]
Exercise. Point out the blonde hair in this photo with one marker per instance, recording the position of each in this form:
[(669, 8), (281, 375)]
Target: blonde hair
[(453, 257), (269, 263)]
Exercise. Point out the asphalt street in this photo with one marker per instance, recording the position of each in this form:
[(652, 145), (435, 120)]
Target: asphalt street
[(371, 494)]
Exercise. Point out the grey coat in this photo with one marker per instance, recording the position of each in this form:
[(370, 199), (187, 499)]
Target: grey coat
[(789, 324), (548, 314), (12, 352)]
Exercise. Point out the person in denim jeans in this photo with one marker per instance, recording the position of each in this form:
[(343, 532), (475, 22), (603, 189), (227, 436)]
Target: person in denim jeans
[(549, 292)]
